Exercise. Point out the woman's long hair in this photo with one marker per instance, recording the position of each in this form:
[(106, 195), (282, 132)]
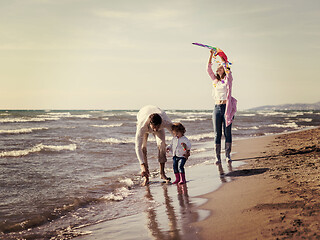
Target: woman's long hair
[(223, 75)]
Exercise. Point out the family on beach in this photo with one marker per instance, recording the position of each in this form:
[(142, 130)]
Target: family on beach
[(153, 120)]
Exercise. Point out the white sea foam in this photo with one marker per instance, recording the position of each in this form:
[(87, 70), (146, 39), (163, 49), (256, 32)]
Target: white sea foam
[(59, 114), (285, 125), (118, 195), (114, 140), (198, 137), (37, 119), (81, 116), (127, 181), (272, 113), (305, 119), (188, 113), (132, 113), (108, 126), (188, 119), (64, 115), (247, 114), (97, 111), (295, 114), (38, 148), (21, 130), (245, 128), (197, 150)]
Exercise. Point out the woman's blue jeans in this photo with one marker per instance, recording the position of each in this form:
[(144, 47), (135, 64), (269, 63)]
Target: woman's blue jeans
[(219, 123), (176, 168)]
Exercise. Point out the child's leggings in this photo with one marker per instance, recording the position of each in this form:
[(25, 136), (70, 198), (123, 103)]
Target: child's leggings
[(176, 167)]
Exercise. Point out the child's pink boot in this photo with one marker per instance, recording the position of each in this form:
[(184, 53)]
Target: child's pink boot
[(177, 178), (183, 178)]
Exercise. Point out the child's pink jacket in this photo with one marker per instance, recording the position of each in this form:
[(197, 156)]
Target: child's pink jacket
[(231, 106)]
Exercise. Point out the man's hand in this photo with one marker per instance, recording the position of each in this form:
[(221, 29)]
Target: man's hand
[(145, 174)]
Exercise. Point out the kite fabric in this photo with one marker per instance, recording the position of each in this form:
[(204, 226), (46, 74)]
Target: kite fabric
[(216, 51)]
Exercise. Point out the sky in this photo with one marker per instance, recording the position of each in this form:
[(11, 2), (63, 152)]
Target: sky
[(124, 54)]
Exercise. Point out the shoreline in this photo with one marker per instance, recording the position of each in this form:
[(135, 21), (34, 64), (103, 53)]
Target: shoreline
[(203, 207), (256, 203)]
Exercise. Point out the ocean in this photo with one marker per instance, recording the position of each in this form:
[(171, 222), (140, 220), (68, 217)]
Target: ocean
[(61, 171)]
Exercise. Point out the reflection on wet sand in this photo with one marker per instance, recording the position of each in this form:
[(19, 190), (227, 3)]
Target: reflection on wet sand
[(222, 173), (153, 223), (179, 213)]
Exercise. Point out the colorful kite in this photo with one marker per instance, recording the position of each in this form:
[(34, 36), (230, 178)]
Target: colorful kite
[(217, 52)]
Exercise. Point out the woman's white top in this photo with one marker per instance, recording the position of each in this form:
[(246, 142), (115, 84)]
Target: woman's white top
[(219, 90)]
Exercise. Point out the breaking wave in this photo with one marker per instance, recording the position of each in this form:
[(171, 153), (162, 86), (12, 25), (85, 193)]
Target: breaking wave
[(38, 148)]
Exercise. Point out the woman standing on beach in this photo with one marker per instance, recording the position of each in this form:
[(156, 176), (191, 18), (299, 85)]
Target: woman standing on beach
[(225, 107)]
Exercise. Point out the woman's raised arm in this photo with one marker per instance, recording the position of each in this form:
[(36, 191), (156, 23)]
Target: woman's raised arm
[(210, 72)]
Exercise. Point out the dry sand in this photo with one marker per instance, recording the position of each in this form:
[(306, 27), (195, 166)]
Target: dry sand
[(274, 196)]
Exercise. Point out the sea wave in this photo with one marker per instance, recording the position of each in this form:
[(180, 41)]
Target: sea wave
[(81, 116), (59, 114), (131, 113), (21, 130), (285, 125), (198, 150), (198, 137), (42, 217), (190, 113), (271, 113), (68, 115), (305, 119), (108, 126), (189, 119), (38, 148), (295, 114), (246, 114), (114, 140), (35, 119), (245, 128)]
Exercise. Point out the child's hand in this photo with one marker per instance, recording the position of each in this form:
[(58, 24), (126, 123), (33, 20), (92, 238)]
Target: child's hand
[(187, 154), (184, 146), (168, 149)]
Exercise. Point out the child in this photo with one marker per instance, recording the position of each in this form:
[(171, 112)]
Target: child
[(180, 149)]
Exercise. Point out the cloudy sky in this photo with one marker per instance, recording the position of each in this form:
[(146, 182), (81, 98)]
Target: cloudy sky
[(124, 54)]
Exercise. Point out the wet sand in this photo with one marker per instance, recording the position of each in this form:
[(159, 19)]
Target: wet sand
[(274, 196), (169, 209)]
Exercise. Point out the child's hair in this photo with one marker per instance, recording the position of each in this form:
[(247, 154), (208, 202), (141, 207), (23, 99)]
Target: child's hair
[(178, 127), (155, 119)]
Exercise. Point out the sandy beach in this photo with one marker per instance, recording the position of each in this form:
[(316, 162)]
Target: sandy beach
[(274, 196)]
